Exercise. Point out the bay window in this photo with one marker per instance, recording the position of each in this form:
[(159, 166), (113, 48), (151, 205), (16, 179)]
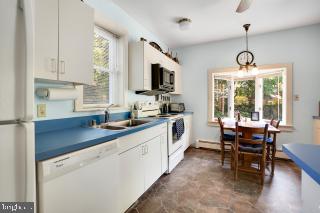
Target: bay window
[(269, 92)]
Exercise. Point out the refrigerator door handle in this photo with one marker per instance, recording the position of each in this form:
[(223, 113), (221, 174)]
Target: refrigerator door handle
[(30, 162), (27, 6)]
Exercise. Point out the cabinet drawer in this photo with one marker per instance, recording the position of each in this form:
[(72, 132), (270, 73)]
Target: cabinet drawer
[(133, 140)]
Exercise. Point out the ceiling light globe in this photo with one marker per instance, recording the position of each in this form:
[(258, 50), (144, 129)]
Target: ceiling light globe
[(184, 24), (255, 71)]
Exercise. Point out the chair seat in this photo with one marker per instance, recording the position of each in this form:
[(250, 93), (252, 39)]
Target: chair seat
[(260, 137), (252, 148), (229, 136)]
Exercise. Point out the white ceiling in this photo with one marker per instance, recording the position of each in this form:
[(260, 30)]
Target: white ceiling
[(216, 19)]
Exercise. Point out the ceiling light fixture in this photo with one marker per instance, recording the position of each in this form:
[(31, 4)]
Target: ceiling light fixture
[(184, 23), (245, 58)]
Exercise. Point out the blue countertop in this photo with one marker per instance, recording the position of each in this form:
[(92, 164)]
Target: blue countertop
[(51, 144), (307, 157)]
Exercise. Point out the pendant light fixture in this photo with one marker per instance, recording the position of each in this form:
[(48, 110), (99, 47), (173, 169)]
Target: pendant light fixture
[(245, 58)]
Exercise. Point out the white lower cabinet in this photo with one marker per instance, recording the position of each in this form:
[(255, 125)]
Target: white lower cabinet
[(141, 165), (131, 176), (152, 161), (164, 152), (316, 131), (188, 131)]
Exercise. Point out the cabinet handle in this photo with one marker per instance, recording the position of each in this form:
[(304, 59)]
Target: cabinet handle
[(147, 149), (62, 67), (143, 150), (53, 65)]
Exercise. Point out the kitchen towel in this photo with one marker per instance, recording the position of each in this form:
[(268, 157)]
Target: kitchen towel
[(178, 128)]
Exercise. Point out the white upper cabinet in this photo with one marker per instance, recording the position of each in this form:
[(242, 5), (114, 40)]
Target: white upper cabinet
[(141, 57), (76, 27), (46, 39), (64, 40)]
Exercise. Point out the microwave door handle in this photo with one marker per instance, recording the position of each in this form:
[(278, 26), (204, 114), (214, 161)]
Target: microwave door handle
[(172, 78)]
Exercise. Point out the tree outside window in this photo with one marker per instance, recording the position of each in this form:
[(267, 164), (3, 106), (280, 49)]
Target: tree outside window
[(273, 97), (221, 93), (244, 98)]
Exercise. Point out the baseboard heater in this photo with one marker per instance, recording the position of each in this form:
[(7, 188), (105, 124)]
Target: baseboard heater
[(215, 145)]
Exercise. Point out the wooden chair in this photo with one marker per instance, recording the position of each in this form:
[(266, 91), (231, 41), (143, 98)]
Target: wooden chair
[(225, 140), (271, 144), (246, 145)]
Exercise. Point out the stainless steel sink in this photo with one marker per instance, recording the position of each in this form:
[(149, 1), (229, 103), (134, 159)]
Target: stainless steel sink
[(129, 123), (109, 127), (120, 125)]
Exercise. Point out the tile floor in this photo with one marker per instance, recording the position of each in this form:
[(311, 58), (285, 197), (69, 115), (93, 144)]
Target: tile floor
[(199, 184)]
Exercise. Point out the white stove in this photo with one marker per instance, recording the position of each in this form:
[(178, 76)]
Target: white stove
[(175, 147)]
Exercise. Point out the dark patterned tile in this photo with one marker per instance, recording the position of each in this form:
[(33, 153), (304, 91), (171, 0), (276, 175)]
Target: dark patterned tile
[(200, 185)]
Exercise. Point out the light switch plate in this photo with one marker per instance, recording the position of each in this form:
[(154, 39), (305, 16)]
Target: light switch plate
[(41, 110)]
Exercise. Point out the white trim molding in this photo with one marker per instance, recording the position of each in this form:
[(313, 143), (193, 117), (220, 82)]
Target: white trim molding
[(215, 145)]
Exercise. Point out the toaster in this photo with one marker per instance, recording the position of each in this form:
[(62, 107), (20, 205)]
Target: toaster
[(176, 107)]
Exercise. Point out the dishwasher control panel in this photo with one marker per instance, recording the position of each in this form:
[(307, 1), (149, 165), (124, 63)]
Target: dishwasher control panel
[(54, 167)]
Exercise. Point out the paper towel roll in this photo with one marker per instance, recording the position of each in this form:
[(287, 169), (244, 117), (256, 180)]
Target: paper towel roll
[(57, 93)]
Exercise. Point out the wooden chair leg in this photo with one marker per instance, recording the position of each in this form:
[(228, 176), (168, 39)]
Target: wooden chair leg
[(236, 158), (273, 159), (268, 156), (231, 153), (222, 153), (262, 167), (236, 171)]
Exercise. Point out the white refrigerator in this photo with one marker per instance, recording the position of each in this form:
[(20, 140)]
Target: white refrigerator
[(17, 149)]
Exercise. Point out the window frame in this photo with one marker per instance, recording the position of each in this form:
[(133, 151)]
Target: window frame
[(115, 75), (288, 92)]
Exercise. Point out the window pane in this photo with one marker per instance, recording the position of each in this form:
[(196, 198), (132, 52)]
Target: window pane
[(221, 93), (272, 98), (244, 98), (101, 51), (99, 93)]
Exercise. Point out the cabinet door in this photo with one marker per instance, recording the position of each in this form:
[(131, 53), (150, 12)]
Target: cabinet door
[(164, 153), (131, 177), (316, 131), (177, 80), (151, 56), (76, 28), (46, 39), (152, 161), (187, 132)]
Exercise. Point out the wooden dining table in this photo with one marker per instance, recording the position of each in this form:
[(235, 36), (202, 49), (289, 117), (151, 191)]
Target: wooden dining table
[(230, 125)]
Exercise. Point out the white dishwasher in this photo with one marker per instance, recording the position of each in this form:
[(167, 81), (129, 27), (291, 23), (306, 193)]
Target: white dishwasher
[(80, 182)]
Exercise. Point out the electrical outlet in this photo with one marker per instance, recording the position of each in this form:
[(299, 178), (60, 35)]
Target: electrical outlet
[(41, 110)]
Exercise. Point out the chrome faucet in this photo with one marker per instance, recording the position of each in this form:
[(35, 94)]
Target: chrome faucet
[(107, 114)]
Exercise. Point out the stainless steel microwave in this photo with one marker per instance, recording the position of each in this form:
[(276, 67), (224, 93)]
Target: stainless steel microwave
[(162, 79)]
